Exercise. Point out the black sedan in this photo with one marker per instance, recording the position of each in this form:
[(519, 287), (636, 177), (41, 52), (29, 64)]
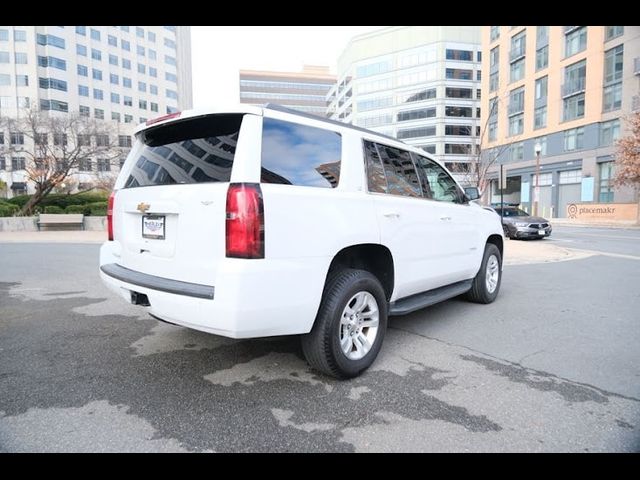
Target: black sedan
[(517, 223)]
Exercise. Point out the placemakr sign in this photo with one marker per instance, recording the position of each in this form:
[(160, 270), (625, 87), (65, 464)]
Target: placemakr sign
[(603, 211)]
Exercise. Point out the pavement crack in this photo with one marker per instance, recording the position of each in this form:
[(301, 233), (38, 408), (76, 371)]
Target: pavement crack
[(533, 371)]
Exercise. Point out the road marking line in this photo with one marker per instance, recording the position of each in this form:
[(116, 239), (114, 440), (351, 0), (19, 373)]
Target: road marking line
[(606, 254)]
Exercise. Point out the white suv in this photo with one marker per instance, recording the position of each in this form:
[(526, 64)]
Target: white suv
[(254, 222)]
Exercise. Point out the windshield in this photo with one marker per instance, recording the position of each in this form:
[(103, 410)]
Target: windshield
[(511, 212)]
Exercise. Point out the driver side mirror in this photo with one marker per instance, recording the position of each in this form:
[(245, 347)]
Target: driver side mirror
[(472, 193)]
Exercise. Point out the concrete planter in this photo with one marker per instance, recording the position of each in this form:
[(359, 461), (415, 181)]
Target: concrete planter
[(28, 224)]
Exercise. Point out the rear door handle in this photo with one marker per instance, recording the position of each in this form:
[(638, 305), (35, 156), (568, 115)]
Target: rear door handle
[(391, 214), (445, 219)]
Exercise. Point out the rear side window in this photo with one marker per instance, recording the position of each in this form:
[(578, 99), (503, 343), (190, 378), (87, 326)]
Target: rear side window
[(294, 154), (196, 150), (398, 168), (442, 186)]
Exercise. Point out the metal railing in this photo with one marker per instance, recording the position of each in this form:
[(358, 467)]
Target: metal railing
[(573, 87)]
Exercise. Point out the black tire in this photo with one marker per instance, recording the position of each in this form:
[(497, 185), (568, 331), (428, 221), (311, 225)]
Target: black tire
[(479, 292), (506, 231), (321, 346)]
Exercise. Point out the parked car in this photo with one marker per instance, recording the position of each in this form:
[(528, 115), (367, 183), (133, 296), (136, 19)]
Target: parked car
[(519, 224), (263, 221)]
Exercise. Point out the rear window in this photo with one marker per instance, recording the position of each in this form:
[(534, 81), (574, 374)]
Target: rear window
[(294, 154), (195, 150)]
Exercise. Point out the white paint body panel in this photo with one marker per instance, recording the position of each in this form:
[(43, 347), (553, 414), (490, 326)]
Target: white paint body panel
[(432, 243)]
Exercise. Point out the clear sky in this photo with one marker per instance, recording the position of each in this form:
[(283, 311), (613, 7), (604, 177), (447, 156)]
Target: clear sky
[(218, 53)]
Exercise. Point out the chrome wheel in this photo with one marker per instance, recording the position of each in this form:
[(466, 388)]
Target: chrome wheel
[(493, 273), (359, 325)]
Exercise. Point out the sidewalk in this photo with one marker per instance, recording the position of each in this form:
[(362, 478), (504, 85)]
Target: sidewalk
[(516, 252), (67, 236), (567, 222)]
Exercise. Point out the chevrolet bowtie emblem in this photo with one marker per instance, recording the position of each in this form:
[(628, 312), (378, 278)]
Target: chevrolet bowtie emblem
[(143, 207)]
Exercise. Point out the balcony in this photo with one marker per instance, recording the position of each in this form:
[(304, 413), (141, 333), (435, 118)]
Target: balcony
[(516, 54), (636, 66), (515, 108), (569, 29), (574, 87)]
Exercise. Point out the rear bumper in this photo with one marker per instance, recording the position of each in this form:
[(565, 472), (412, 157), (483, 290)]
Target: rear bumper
[(253, 298)]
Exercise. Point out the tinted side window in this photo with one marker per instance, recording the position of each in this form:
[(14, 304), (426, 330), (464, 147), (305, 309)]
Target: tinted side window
[(443, 187), (294, 154), (376, 181), (402, 178)]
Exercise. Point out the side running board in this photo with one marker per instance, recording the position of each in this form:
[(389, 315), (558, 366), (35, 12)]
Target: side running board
[(421, 300)]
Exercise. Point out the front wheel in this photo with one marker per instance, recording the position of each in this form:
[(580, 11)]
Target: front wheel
[(350, 327), (486, 284)]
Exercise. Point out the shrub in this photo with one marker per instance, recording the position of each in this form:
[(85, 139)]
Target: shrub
[(8, 210), (76, 209), (96, 212), (97, 207), (19, 200), (62, 200), (53, 209)]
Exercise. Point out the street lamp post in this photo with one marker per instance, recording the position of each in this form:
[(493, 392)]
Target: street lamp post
[(538, 149)]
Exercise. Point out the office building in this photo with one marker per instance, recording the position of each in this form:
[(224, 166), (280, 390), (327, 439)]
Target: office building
[(305, 91), (418, 84), (119, 74)]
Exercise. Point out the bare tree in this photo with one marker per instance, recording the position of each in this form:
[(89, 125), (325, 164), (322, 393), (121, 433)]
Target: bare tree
[(55, 145), (483, 160), (628, 155), (105, 181)]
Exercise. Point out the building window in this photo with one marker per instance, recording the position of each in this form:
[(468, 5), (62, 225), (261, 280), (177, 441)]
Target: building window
[(152, 54), (493, 82), (495, 32), (98, 113), (95, 34), (540, 117), (517, 71), (153, 106), (142, 68), (140, 32), (151, 36), (21, 58), (459, 130), (172, 94), (575, 41), (97, 74), (541, 90), (126, 64), (459, 74), (542, 36), (414, 114), (113, 41), (113, 60), (104, 165), (50, 40), (18, 163), (83, 71), (5, 79), (494, 57), (85, 165), (516, 152), (4, 57), (84, 111), (142, 104), (81, 30), (457, 148), (153, 89), (451, 92), (573, 107), (612, 97), (128, 102), (493, 131), (114, 79), (542, 58), (169, 43), (516, 124), (83, 90), (140, 50), (451, 111), (96, 54), (126, 82), (516, 101), (170, 77), (605, 187), (609, 132), (125, 45), (613, 32), (169, 60), (115, 116), (22, 80), (81, 50), (16, 138), (115, 98), (124, 141), (128, 118), (98, 94), (142, 86), (4, 35), (417, 132), (613, 65), (451, 54), (518, 46), (573, 139)]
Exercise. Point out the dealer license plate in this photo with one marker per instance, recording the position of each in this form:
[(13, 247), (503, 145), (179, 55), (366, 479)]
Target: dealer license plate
[(153, 226)]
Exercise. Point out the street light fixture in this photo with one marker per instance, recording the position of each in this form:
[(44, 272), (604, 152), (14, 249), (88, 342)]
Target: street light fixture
[(538, 149)]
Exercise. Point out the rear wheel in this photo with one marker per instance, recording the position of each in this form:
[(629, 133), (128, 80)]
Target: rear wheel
[(486, 284), (350, 326)]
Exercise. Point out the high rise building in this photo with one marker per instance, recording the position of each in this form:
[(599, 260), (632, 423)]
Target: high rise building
[(121, 74), (418, 84), (566, 90), (305, 91)]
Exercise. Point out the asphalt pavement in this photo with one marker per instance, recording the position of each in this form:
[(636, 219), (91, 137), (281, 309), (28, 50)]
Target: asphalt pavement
[(552, 365)]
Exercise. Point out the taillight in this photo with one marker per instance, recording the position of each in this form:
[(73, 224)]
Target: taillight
[(112, 198), (245, 221)]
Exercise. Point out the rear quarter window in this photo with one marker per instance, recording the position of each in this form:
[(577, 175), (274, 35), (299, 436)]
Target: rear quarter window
[(294, 154)]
